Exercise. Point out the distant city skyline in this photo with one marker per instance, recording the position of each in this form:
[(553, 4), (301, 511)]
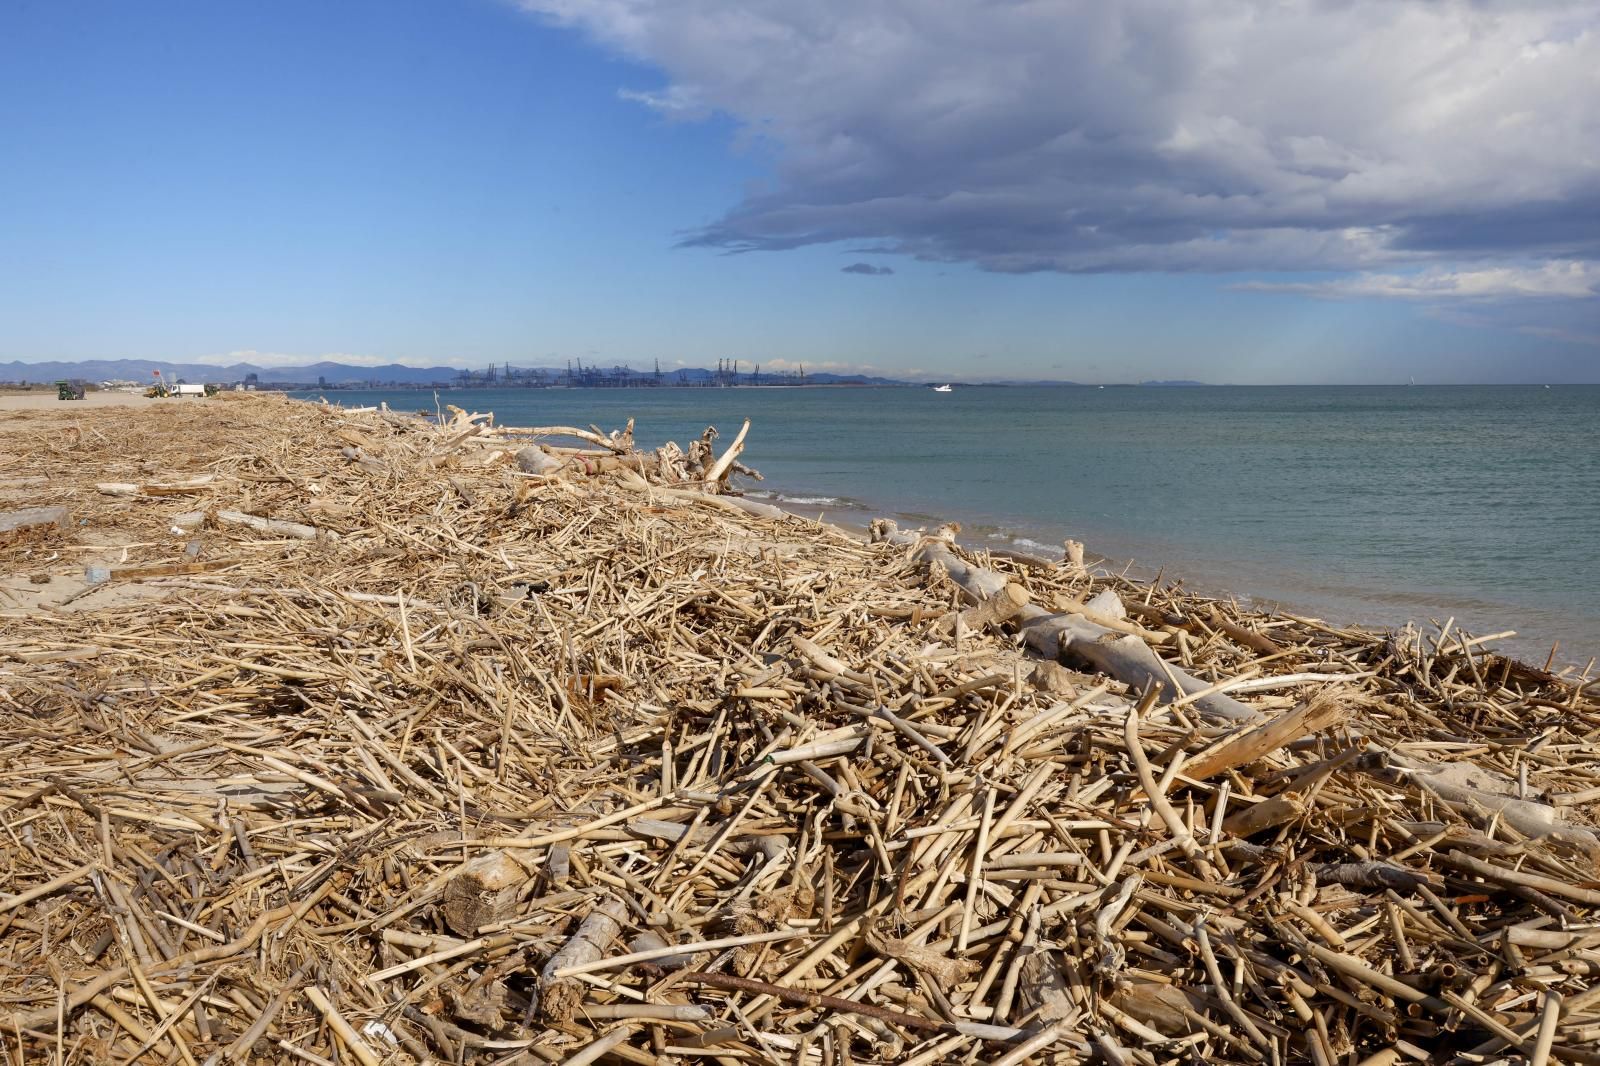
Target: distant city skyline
[(1222, 190)]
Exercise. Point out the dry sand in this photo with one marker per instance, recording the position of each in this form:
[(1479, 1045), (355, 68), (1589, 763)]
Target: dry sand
[(43, 400)]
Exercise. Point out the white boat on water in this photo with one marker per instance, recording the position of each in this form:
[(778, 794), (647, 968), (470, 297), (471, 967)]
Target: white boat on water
[(942, 388)]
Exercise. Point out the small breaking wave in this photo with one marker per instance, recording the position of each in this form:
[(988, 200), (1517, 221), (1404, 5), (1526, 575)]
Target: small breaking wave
[(810, 501), (803, 501), (1002, 535)]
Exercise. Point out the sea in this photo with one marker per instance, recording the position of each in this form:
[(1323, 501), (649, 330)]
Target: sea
[(1359, 505)]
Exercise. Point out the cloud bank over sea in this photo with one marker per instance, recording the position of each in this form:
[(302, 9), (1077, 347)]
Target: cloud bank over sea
[(1204, 135)]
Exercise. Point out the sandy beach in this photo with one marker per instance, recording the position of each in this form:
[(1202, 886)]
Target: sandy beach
[(40, 400), (335, 736)]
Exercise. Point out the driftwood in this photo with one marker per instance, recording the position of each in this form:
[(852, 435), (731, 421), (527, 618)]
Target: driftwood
[(719, 469), (482, 892), (620, 442), (1474, 788), (1098, 615), (1321, 712), (275, 526), (559, 995), (540, 461), (1073, 556), (547, 462), (1249, 638), (1126, 658), (173, 488), (669, 494), (993, 610)]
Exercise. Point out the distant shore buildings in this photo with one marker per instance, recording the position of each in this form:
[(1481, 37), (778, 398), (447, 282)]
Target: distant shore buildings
[(578, 375)]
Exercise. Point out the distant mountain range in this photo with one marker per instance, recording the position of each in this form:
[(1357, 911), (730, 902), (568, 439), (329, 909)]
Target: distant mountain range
[(331, 374)]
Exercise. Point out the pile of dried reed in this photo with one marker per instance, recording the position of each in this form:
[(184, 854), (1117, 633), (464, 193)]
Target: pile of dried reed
[(376, 748)]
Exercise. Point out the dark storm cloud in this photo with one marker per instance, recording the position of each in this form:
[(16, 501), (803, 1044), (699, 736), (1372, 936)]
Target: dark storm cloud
[(866, 268), (1169, 135)]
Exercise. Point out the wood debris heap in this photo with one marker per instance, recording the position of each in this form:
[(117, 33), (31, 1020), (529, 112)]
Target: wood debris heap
[(417, 745)]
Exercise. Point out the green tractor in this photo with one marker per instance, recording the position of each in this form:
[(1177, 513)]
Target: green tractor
[(69, 390)]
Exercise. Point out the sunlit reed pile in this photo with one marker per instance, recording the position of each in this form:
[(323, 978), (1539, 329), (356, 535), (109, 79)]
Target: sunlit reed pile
[(391, 740)]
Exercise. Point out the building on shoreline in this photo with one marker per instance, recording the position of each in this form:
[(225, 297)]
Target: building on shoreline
[(579, 375)]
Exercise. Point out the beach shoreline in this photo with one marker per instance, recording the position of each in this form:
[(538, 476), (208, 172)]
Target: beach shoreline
[(1359, 506)]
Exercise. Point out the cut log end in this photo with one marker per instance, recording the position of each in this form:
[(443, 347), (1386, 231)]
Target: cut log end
[(559, 996)]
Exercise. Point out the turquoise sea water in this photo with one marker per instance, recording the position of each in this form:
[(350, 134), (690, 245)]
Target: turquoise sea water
[(1358, 504)]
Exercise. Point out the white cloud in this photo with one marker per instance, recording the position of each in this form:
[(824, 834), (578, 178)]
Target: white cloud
[(1143, 134), (1569, 280)]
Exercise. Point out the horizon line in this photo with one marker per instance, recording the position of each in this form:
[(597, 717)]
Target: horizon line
[(884, 374)]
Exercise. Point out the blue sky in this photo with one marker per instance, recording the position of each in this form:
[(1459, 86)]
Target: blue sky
[(465, 181)]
